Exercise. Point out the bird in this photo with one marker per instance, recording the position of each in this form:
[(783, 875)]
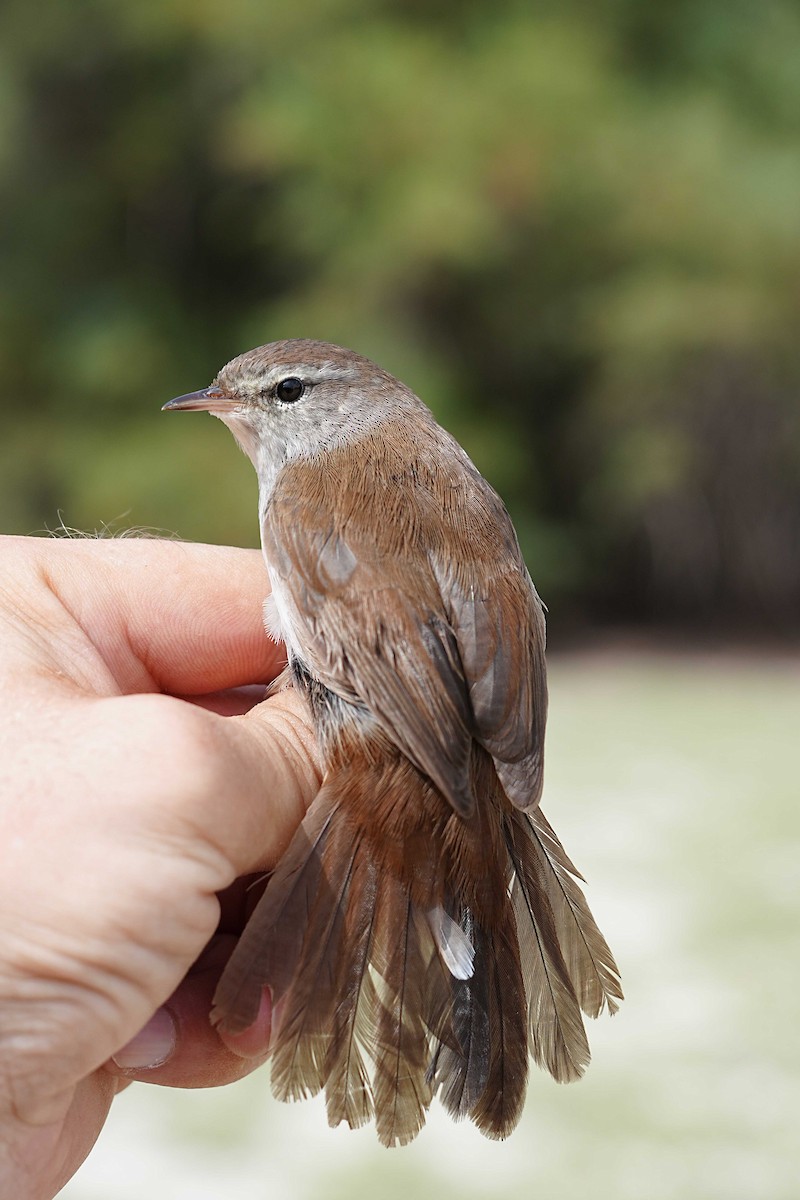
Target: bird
[(425, 933)]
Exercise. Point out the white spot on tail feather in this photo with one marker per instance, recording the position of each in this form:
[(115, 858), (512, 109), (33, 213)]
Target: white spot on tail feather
[(456, 949)]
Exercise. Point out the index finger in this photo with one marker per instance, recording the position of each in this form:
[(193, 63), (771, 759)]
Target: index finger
[(169, 616)]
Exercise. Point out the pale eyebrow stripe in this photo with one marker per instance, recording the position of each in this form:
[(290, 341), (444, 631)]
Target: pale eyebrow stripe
[(312, 372)]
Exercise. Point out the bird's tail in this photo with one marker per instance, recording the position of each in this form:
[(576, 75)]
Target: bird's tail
[(410, 954)]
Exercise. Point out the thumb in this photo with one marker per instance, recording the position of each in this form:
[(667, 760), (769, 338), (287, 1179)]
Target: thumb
[(271, 774)]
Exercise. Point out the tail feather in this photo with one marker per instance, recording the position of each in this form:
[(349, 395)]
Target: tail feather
[(590, 963), (403, 1091), (499, 1108), (462, 1063), (556, 1033), (271, 943), (302, 1040), (348, 1090)]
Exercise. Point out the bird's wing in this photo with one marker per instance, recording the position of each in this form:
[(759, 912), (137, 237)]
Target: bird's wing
[(362, 631), (498, 620), (416, 603)]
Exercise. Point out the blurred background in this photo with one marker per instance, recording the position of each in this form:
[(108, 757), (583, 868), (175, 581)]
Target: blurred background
[(574, 229)]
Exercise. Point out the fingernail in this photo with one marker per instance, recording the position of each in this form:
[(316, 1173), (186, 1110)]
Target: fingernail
[(152, 1045)]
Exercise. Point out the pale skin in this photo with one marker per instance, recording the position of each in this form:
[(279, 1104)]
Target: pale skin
[(135, 791)]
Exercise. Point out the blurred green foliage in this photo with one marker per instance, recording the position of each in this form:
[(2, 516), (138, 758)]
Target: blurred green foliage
[(573, 228)]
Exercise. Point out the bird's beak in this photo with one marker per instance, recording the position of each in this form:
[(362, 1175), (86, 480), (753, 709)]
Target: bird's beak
[(210, 399)]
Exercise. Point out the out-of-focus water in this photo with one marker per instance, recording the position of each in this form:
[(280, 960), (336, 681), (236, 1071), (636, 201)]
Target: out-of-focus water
[(673, 782)]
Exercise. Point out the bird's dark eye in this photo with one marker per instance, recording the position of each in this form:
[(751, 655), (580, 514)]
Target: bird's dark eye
[(290, 389)]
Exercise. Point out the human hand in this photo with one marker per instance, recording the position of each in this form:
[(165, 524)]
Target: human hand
[(127, 816)]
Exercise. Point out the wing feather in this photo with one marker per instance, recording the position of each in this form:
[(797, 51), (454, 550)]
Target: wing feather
[(404, 588)]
